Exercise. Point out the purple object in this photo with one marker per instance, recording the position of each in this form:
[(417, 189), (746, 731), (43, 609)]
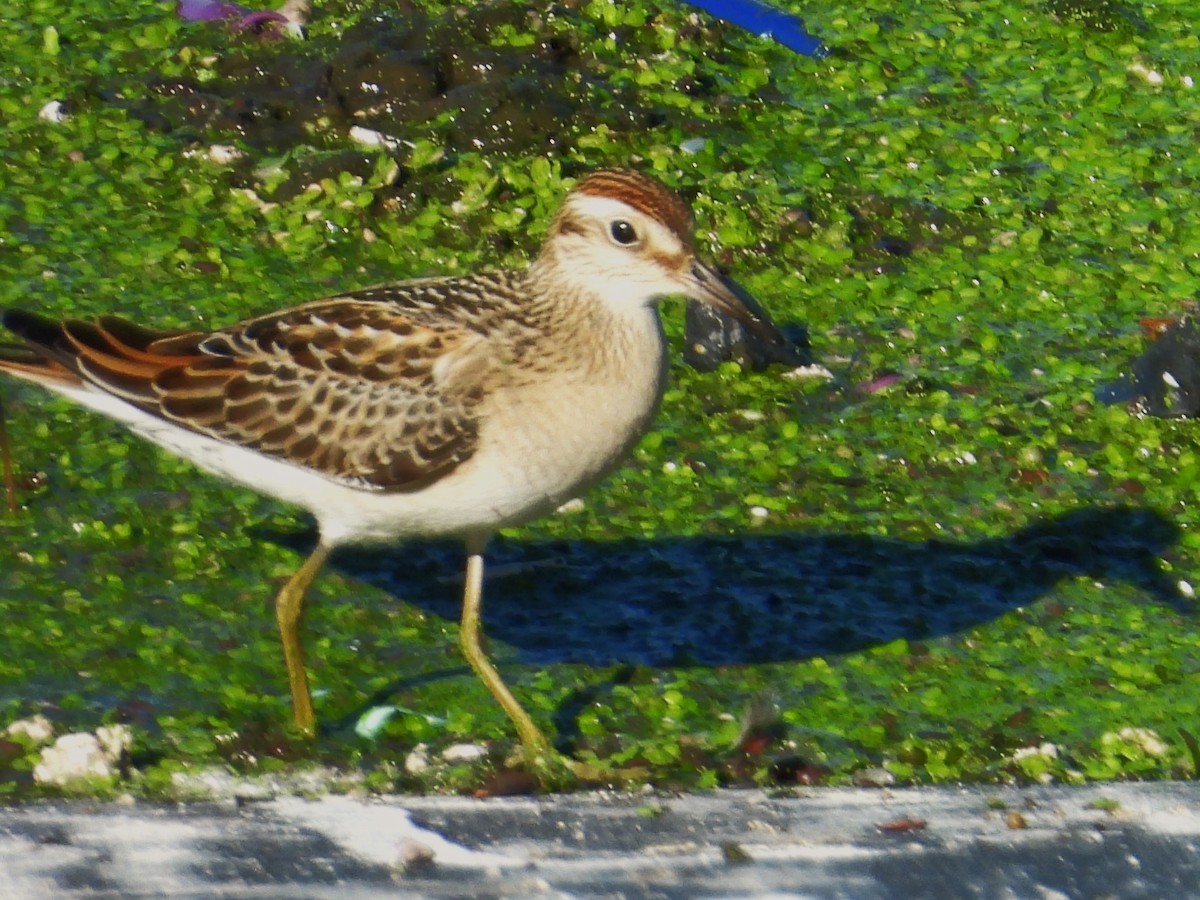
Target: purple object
[(209, 10), (879, 383), (240, 18)]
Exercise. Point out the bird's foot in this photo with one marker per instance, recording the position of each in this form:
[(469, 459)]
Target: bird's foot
[(556, 772)]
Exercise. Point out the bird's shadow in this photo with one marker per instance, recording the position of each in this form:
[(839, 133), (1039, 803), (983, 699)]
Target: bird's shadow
[(758, 598)]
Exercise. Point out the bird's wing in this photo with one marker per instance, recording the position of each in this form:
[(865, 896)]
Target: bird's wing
[(355, 387)]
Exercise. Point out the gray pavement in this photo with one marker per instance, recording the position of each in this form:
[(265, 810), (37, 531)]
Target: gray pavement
[(1120, 841)]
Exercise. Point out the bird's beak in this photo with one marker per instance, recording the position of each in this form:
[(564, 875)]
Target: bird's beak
[(726, 296)]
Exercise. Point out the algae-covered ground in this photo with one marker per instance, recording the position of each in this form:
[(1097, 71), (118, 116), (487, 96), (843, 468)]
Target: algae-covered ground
[(949, 562)]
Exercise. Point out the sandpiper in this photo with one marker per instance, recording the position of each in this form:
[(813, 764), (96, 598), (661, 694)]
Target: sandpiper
[(431, 407)]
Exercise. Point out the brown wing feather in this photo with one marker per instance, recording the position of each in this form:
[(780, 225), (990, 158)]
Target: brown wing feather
[(21, 361), (135, 342), (357, 390)]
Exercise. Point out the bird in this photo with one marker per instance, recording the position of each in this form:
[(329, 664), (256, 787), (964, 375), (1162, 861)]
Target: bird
[(428, 408)]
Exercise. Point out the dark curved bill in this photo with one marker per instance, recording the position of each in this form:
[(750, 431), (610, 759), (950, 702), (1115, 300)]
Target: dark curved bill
[(721, 293)]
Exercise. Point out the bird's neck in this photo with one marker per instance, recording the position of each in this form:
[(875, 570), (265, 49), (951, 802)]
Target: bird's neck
[(587, 326)]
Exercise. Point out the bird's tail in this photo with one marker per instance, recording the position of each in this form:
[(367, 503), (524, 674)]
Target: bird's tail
[(39, 355)]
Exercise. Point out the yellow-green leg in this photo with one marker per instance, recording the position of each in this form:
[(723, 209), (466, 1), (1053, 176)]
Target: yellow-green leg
[(538, 751), (289, 609), (539, 755)]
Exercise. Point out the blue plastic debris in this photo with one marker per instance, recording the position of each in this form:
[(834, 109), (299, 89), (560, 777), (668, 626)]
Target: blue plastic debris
[(765, 21)]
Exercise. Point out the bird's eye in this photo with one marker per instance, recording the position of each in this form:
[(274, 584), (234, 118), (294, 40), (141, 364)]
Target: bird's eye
[(623, 233)]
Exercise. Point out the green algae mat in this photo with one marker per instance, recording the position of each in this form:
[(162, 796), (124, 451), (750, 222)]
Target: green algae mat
[(946, 562)]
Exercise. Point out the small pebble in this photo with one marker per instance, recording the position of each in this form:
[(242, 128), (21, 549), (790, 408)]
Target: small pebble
[(72, 757), (809, 372), (417, 760), (734, 854), (875, 776), (223, 154), (114, 740), (1150, 76), (368, 137), (464, 753), (53, 112), (36, 728), (416, 857)]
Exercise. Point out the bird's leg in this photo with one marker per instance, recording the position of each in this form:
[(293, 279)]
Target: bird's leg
[(537, 749), (289, 609), (552, 769)]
